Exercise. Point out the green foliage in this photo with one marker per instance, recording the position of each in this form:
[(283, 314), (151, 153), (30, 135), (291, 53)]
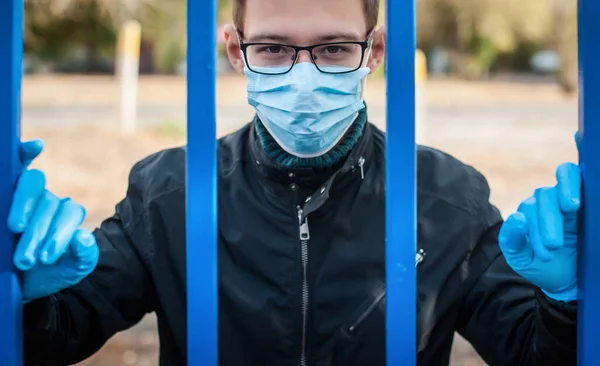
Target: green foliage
[(52, 35), (483, 54), (478, 33), (171, 128), (169, 54)]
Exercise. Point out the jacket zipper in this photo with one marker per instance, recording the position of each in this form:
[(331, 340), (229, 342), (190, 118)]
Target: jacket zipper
[(304, 237), (420, 255)]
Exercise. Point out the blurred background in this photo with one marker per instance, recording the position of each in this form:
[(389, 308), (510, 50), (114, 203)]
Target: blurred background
[(499, 92)]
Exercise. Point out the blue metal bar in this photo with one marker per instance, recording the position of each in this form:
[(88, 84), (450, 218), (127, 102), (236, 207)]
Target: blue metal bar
[(201, 214), (11, 38), (589, 158), (401, 304)]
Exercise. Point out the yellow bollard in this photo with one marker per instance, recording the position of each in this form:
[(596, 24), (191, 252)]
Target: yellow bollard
[(420, 67), (128, 64), (420, 108)]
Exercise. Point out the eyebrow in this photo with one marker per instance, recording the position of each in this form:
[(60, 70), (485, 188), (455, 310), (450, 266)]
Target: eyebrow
[(331, 37), (341, 36), (267, 37)]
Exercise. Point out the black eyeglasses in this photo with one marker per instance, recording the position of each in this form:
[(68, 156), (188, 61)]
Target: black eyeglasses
[(329, 58)]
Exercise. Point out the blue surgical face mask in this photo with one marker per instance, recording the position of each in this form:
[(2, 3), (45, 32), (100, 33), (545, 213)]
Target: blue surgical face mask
[(306, 111)]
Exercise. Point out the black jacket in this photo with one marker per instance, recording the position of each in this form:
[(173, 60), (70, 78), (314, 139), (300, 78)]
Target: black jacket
[(268, 273)]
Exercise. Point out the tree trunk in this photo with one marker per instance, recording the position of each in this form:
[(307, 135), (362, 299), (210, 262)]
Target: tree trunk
[(92, 58)]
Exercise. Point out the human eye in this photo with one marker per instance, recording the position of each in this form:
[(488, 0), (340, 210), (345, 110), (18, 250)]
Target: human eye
[(335, 49), (272, 49)]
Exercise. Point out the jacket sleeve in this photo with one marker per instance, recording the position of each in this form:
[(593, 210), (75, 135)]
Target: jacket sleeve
[(70, 326), (507, 319)]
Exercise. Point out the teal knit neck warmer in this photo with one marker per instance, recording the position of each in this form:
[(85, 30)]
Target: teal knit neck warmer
[(331, 158)]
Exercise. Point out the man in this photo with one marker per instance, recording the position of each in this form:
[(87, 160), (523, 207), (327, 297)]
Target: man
[(301, 227)]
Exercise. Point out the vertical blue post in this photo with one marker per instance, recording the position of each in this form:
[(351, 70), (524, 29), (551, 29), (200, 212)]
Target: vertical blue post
[(400, 182), (201, 204), (11, 39), (589, 159)]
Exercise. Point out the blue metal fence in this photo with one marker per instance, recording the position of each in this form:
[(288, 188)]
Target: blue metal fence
[(202, 193), (400, 182), (589, 130), (201, 214), (11, 41)]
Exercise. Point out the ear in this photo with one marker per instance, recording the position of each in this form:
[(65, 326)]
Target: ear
[(232, 44), (377, 49)]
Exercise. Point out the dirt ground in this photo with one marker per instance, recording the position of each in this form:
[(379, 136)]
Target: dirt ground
[(90, 162)]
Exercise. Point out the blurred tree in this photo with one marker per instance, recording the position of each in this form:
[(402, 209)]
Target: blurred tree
[(477, 32), (91, 28), (164, 26), (479, 35), (54, 29)]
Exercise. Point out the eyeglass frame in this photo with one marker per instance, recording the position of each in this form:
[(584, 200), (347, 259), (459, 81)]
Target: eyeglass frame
[(364, 45)]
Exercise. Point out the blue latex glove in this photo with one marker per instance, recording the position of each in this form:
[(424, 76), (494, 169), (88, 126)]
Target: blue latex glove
[(539, 241), (52, 251), (29, 150)]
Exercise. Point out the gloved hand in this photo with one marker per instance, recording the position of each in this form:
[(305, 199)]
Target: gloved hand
[(539, 241), (52, 251), (29, 150)]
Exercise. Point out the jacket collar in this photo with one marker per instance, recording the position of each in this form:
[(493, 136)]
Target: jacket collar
[(313, 177)]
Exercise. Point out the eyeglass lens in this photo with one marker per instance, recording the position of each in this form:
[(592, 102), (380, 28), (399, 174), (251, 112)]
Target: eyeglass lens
[(338, 57)]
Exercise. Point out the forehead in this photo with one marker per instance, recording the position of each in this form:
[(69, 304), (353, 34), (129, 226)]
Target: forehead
[(303, 21)]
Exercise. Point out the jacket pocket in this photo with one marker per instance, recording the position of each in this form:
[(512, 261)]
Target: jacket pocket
[(364, 312), (361, 339)]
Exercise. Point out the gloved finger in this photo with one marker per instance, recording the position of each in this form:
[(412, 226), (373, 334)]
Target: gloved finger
[(529, 209), (84, 251), (513, 235), (30, 187), (568, 177), (33, 237), (65, 224), (578, 141), (550, 217), (29, 150)]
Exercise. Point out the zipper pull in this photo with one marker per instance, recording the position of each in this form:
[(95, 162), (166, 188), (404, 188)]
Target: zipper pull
[(361, 163), (304, 231), (419, 257)]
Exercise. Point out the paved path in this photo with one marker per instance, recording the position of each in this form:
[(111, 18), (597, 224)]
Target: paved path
[(232, 116)]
